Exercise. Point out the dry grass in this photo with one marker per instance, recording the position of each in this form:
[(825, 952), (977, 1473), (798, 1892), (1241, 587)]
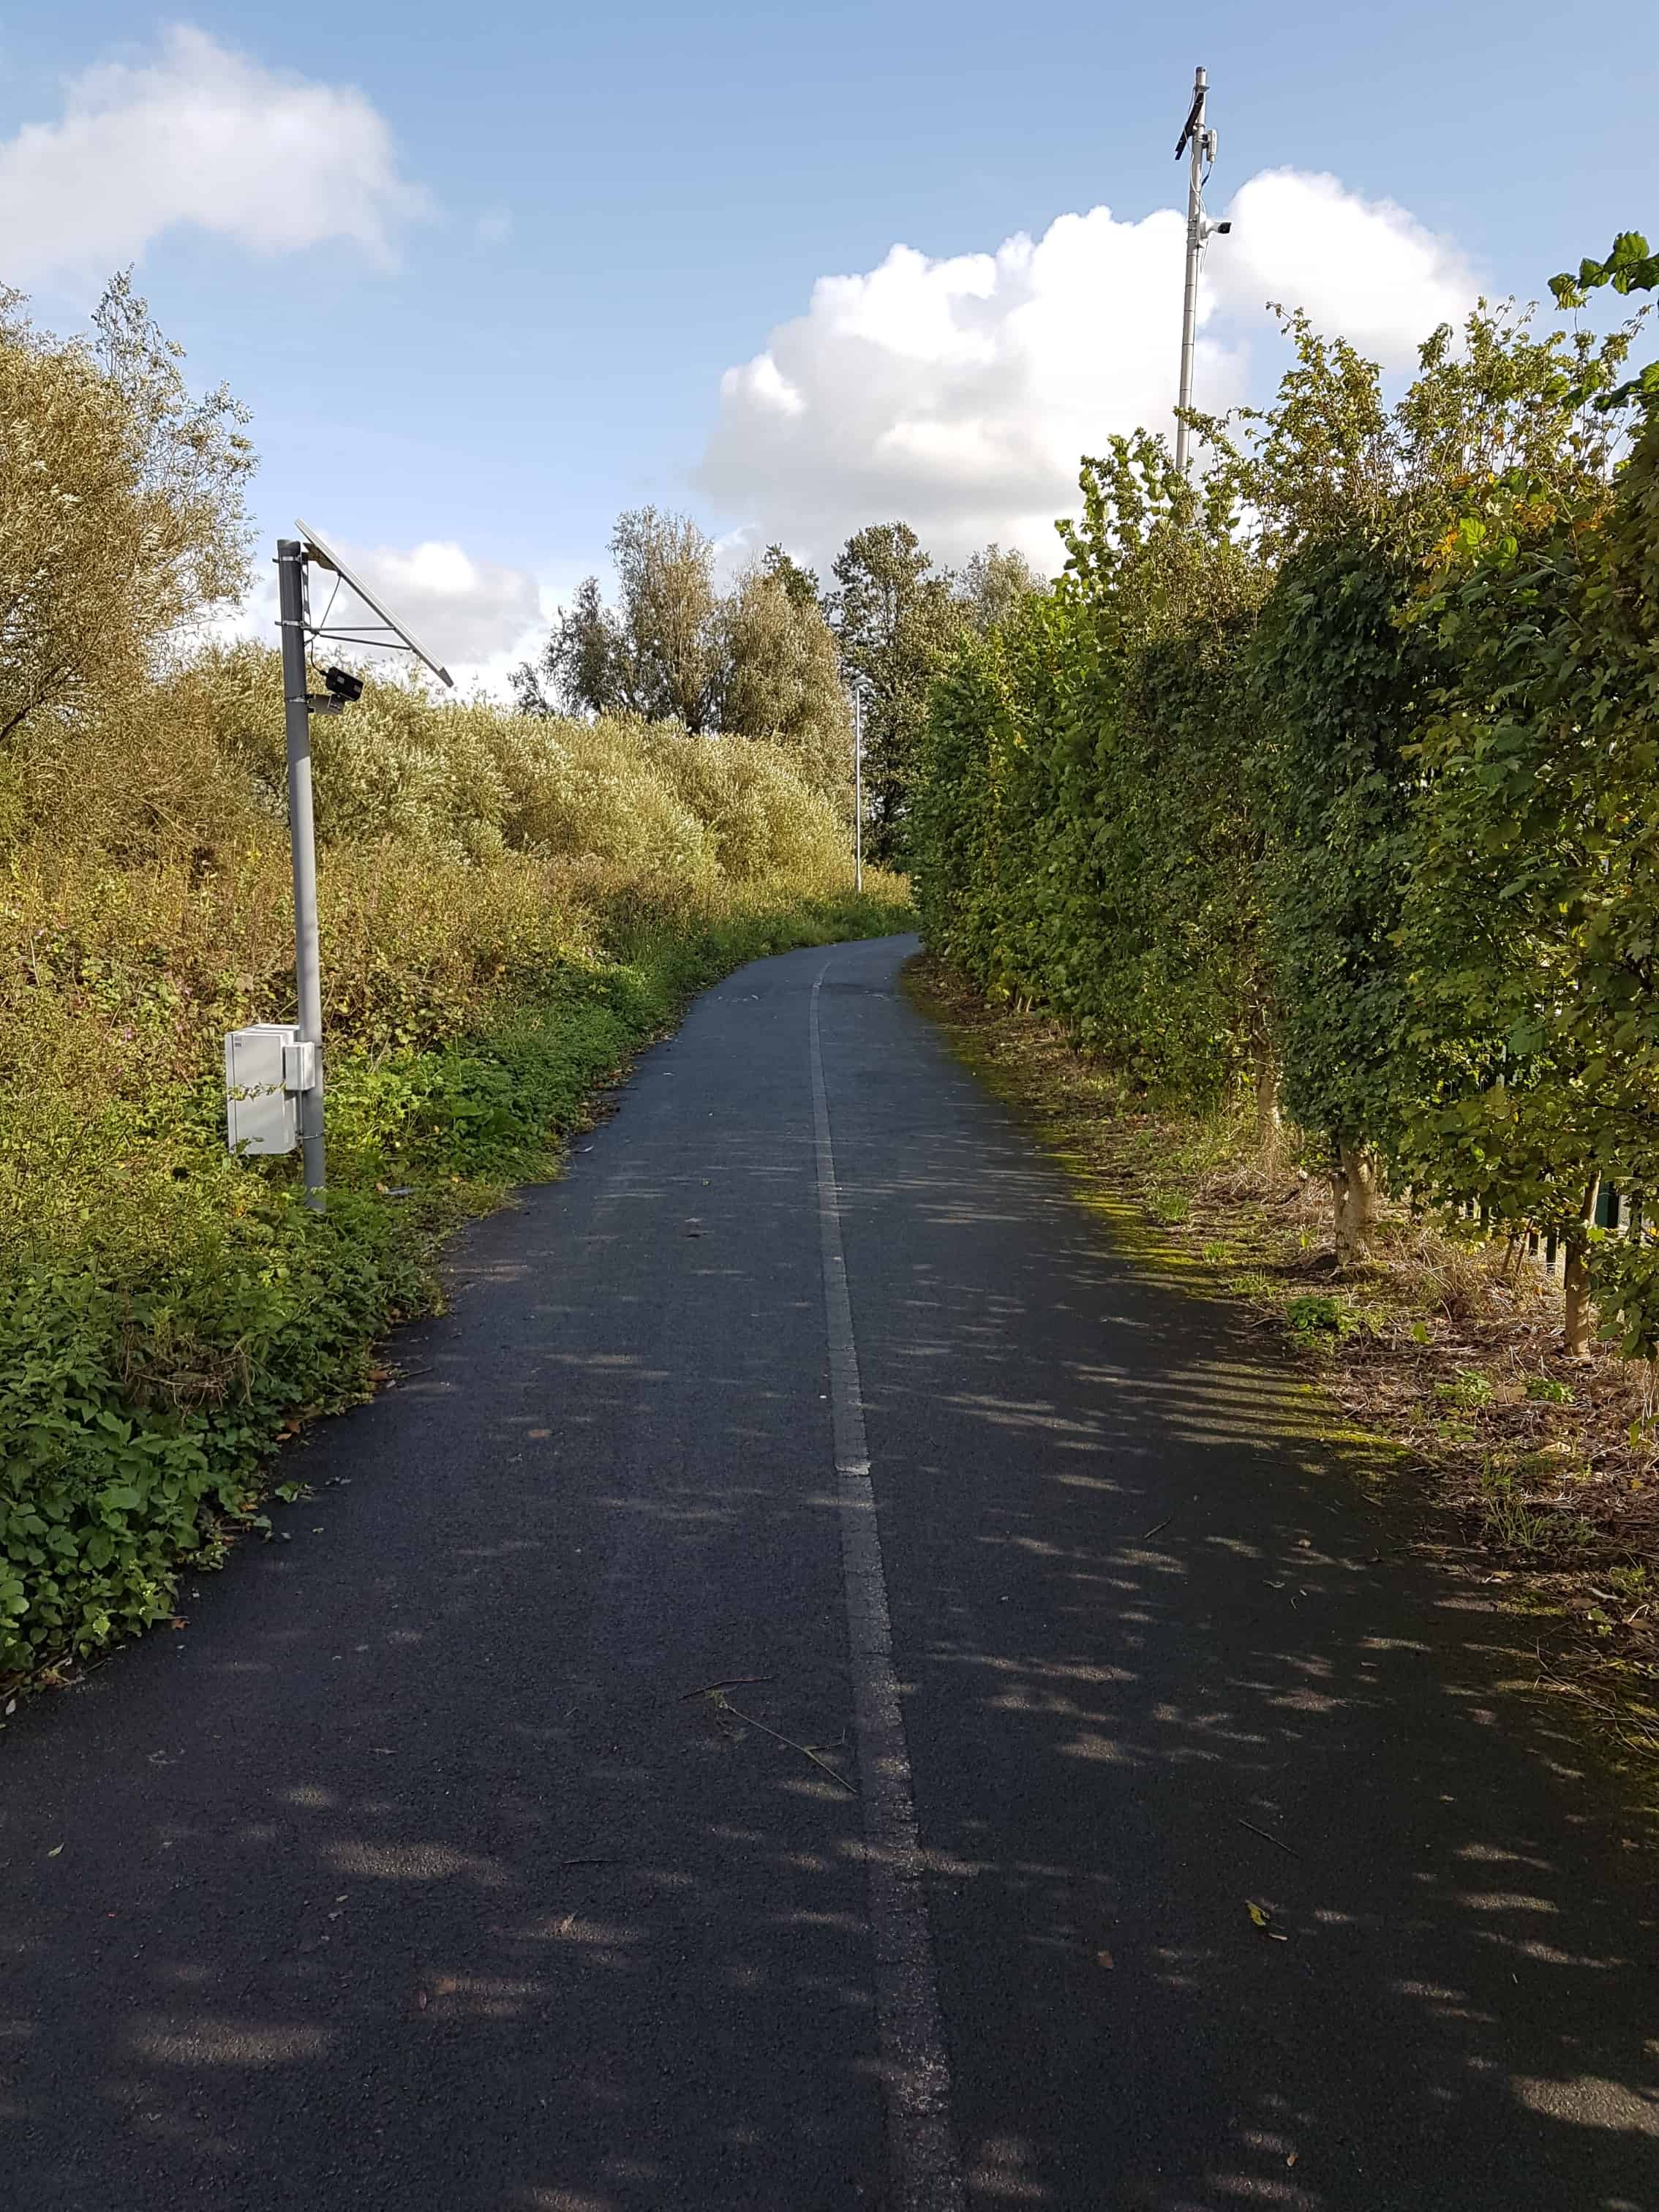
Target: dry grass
[(1538, 1472)]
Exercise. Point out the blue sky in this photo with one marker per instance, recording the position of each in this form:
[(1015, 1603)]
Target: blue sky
[(532, 241)]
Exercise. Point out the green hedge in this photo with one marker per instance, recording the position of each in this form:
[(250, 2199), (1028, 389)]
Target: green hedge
[(1332, 771)]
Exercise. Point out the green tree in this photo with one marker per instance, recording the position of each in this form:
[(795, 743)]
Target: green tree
[(958, 845), (122, 514), (757, 662), (895, 620), (1533, 911), (1348, 498), (657, 652), (1172, 588), (801, 584), (1342, 687), (780, 679), (991, 585), (1352, 744), (1086, 837)]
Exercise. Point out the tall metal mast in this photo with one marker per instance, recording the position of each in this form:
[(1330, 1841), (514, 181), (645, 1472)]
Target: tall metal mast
[(307, 961), (304, 1078), (858, 787), (1198, 141)]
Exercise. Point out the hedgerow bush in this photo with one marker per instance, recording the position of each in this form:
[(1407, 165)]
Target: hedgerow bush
[(1330, 775)]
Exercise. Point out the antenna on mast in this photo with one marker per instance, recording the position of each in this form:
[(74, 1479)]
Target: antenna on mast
[(1197, 141)]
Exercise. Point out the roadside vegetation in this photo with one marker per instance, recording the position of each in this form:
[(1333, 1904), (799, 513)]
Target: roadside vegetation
[(510, 904), (1300, 848)]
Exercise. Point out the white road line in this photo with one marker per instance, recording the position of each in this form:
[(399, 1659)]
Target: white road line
[(916, 2077)]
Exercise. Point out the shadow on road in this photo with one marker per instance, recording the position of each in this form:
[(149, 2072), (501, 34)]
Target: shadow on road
[(1167, 1666)]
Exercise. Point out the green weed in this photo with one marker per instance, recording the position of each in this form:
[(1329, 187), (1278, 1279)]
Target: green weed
[(1315, 1315), (1469, 1390), (1513, 1526)]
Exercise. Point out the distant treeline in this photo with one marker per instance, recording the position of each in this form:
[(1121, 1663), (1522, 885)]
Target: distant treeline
[(773, 657)]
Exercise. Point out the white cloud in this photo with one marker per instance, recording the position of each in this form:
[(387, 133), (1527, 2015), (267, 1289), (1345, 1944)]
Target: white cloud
[(961, 393), (1365, 269), (464, 612), (199, 137), (956, 393)]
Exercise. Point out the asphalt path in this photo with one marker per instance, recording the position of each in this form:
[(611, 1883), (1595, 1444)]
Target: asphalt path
[(423, 1869)]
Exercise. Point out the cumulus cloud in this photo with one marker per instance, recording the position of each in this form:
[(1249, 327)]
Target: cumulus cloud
[(199, 137), (957, 393), (463, 611), (1364, 269), (960, 393)]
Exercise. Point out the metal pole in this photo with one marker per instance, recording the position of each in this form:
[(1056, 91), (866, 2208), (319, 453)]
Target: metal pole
[(857, 788), (302, 837), (1195, 135)]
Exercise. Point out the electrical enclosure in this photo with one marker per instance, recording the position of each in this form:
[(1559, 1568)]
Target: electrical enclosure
[(261, 1101)]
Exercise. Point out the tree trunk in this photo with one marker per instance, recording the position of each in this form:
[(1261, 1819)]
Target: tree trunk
[(1354, 1188), (1575, 1276), (1268, 1120)]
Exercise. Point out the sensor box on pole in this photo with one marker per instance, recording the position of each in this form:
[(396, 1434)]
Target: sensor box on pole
[(274, 1070), (267, 1067)]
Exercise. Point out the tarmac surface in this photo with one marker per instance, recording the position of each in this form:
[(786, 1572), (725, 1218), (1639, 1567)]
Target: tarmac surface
[(423, 1869)]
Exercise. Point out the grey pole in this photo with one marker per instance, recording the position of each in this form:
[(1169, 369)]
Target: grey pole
[(858, 787), (302, 837), (1195, 136)]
